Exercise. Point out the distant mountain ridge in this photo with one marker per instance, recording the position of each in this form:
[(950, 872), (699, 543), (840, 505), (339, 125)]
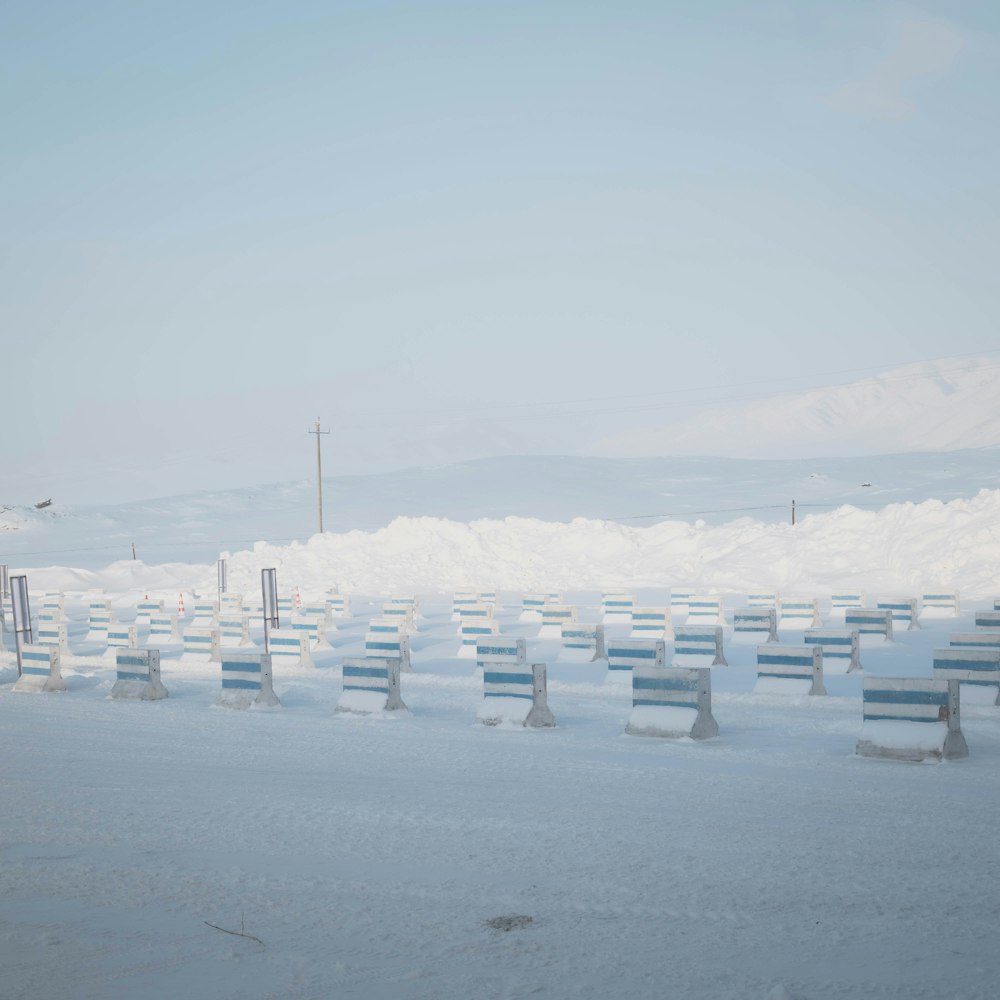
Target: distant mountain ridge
[(943, 405)]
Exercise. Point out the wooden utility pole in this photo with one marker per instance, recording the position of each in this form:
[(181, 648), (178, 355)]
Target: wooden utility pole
[(319, 477)]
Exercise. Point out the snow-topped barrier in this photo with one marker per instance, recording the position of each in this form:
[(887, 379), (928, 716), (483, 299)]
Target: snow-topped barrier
[(870, 622), (755, 624), (371, 686), (582, 643), (904, 611), (515, 694), (39, 669), (698, 646), (385, 644), (839, 646), (52, 633), (246, 680), (554, 616), (627, 654), (672, 702), (290, 646), (137, 675), (783, 669), (979, 667), (798, 613), (616, 608), (705, 611), (652, 623), (201, 645)]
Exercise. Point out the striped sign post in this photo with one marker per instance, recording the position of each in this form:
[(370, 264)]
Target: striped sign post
[(839, 646), (785, 669), (672, 702), (582, 643), (515, 695), (698, 646), (137, 675), (870, 622), (754, 625), (40, 670), (247, 681), (911, 719), (978, 667), (371, 686), (625, 655)]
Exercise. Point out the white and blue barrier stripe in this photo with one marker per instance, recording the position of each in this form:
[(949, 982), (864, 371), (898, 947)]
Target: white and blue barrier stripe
[(501, 650), (474, 612), (317, 609), (389, 646), (403, 613), (408, 602), (628, 654), (137, 675), (231, 603), (672, 702), (940, 601), (698, 646), (289, 646), (532, 604), (462, 599), (681, 599), (766, 599), (911, 719), (904, 610), (705, 611), (122, 636), (474, 631), (870, 621), (843, 601), (100, 617), (554, 616), (313, 627), (40, 669), (163, 628), (515, 695), (385, 626), (371, 686), (755, 624), (582, 643), (234, 628), (785, 669), (987, 619), (652, 623), (616, 608), (979, 667), (286, 606), (247, 680), (145, 608), (799, 612), (52, 609), (53, 634), (838, 645), (339, 605), (206, 614), (201, 644), (984, 639)]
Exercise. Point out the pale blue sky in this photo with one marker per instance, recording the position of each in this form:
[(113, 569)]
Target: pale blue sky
[(422, 221)]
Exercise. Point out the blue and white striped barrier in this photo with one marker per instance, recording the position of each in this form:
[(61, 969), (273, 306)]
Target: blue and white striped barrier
[(532, 604), (904, 611), (628, 654), (137, 675), (941, 604), (515, 696), (799, 613), (983, 638), (698, 646), (911, 719), (313, 627), (146, 608), (201, 645), (582, 643), (320, 610), (122, 636), (839, 603), (839, 645), (286, 607), (765, 599), (289, 646), (339, 605), (681, 599), (409, 602), (554, 616), (616, 608), (53, 634), (231, 603), (163, 628), (389, 646), (652, 623), (39, 670), (978, 667), (462, 599), (705, 611), (52, 609), (402, 613), (488, 597), (501, 650), (754, 625), (371, 686), (987, 619), (870, 622), (247, 681), (477, 611), (234, 628), (206, 614), (474, 631), (785, 669), (100, 617), (672, 702)]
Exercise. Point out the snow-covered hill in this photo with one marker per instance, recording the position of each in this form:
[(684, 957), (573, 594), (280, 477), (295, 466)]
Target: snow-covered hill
[(932, 406)]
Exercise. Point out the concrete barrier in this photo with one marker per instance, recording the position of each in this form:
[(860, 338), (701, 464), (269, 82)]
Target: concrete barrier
[(389, 646), (371, 686), (978, 667), (122, 636), (409, 602), (783, 669), (502, 651), (698, 646), (476, 612), (911, 719), (290, 646), (145, 608), (320, 610), (764, 599), (532, 604), (163, 628), (339, 605), (799, 613), (515, 696), (554, 616), (100, 617), (870, 622), (39, 670), (705, 611), (201, 644), (673, 703), (247, 681), (582, 643), (839, 603), (234, 629), (680, 599), (137, 675), (462, 599), (987, 619), (983, 638), (940, 604), (839, 645), (314, 627), (231, 604), (754, 625), (474, 631), (627, 654), (403, 613), (53, 634), (52, 609), (488, 597), (903, 609), (616, 608), (652, 623), (206, 614)]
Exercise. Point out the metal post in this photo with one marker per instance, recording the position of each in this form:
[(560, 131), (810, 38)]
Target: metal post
[(222, 569), (269, 589), (4, 581), (22, 615), (793, 512), (319, 478)]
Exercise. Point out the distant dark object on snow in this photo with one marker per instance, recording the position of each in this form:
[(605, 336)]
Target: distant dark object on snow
[(42, 504), (866, 484)]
